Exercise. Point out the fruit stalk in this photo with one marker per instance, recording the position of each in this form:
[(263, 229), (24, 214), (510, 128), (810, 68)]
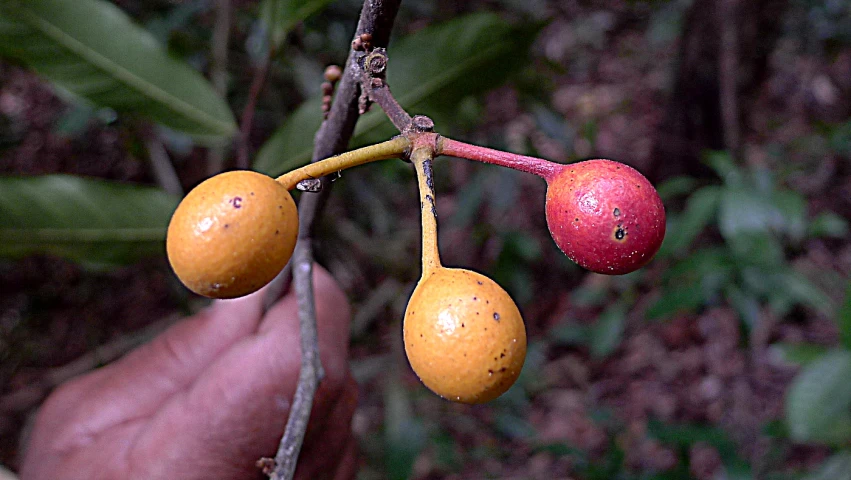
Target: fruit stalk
[(422, 158), (537, 166), (393, 148)]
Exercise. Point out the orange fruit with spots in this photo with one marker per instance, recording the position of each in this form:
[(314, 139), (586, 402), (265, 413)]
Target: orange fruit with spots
[(232, 234), (605, 216), (464, 335)]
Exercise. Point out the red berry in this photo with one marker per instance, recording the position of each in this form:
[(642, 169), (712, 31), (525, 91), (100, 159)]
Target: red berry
[(605, 216)]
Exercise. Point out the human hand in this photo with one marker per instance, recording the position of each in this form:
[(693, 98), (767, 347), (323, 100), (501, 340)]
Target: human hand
[(205, 399)]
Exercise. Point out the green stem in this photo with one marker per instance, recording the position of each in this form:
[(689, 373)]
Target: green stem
[(393, 148), (422, 158)]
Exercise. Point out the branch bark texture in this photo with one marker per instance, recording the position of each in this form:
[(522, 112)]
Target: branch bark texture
[(333, 137)]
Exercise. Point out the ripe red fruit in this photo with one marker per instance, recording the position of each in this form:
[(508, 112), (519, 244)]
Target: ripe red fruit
[(605, 216)]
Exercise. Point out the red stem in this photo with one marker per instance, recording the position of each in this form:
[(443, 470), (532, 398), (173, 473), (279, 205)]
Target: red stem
[(537, 166)]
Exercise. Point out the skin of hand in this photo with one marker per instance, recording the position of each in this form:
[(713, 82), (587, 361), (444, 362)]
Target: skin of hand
[(205, 399)]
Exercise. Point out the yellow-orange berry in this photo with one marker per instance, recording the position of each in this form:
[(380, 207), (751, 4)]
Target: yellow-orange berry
[(464, 336), (232, 234)]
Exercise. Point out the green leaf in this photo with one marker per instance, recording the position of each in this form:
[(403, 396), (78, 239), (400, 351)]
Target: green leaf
[(845, 319), (676, 299), (93, 49), (790, 286), (700, 209), (757, 249), (837, 467), (570, 334), (725, 167), (675, 187), (800, 353), (607, 332), (280, 16), (818, 405), (747, 209), (694, 281), (706, 262), (404, 433), (430, 72), (685, 436), (92, 221), (745, 303), (828, 224)]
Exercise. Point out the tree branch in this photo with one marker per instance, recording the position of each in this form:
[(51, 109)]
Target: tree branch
[(373, 67), (376, 19)]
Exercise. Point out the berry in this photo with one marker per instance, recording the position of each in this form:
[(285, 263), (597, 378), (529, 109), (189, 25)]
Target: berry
[(605, 216), (464, 336), (232, 234)]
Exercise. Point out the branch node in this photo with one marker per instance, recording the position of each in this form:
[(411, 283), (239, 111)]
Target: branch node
[(422, 124), (376, 63)]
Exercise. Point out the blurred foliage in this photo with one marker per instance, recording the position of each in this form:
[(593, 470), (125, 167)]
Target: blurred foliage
[(818, 405), (92, 49), (759, 222), (95, 222)]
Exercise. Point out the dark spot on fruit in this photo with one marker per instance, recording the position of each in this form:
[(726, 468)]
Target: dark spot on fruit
[(421, 335), (475, 298), (480, 283), (620, 233), (277, 232), (236, 202), (503, 369), (490, 372), (502, 355), (617, 212), (496, 316), (227, 225), (252, 194), (462, 326), (429, 175)]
